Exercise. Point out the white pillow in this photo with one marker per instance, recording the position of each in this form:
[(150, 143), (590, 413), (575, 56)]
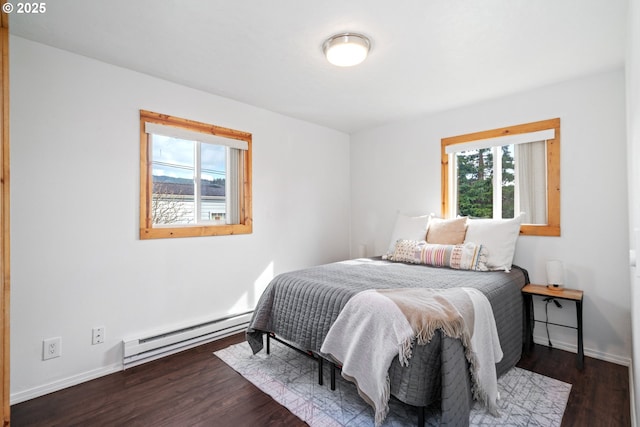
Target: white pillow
[(407, 228), (498, 236)]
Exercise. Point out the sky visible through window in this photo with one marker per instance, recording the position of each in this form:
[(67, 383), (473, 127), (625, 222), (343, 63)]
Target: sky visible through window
[(173, 157)]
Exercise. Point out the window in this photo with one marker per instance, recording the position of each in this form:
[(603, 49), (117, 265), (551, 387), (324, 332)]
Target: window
[(195, 178), (502, 172), (483, 184)]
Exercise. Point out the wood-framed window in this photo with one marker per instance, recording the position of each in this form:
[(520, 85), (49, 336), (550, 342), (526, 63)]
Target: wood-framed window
[(501, 172), (195, 178)]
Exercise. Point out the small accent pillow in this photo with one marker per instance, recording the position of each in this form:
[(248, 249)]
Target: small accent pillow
[(468, 256), (409, 228), (446, 231)]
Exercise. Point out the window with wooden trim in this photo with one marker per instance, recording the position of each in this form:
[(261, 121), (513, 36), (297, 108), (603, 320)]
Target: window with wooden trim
[(195, 178), (503, 172)]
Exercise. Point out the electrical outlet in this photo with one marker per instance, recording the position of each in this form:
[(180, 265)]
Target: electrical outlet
[(51, 348), (98, 335)]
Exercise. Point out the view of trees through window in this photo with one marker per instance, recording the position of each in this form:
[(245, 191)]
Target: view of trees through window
[(526, 183), (476, 186)]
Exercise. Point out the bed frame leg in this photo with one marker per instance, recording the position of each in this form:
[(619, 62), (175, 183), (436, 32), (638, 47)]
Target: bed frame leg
[(268, 343), (333, 376), (421, 416), (320, 365)]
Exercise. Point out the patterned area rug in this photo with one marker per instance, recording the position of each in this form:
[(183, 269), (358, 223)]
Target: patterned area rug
[(528, 399)]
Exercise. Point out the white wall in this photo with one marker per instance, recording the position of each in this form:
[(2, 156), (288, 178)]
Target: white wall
[(397, 168), (77, 262), (633, 156)]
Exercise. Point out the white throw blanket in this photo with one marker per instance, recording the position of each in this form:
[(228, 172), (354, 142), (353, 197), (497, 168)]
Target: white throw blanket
[(375, 326), (485, 344)]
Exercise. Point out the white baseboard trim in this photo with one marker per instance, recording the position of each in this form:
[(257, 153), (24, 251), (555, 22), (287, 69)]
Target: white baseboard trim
[(23, 396), (607, 357), (63, 383)]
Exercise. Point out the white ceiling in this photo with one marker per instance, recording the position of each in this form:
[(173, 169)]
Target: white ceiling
[(427, 55)]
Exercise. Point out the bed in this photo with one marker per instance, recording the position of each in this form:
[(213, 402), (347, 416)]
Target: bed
[(301, 306)]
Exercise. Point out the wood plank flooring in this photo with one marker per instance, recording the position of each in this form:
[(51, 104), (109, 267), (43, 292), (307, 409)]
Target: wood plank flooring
[(600, 393), (195, 388)]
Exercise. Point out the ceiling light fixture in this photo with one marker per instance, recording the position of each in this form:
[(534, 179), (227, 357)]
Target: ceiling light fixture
[(346, 49)]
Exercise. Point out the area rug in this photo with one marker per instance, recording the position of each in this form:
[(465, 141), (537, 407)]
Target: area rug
[(527, 398)]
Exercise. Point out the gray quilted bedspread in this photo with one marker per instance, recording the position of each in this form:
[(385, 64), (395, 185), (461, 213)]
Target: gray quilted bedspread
[(301, 306)]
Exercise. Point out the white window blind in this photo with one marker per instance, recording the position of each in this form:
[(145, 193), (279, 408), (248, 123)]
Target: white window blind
[(520, 138), (531, 181), (234, 168), (189, 135)]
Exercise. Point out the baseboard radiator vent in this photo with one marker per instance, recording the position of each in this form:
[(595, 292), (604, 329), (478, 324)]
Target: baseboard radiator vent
[(148, 348)]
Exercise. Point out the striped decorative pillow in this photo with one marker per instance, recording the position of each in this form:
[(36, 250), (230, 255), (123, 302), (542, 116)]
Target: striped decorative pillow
[(467, 256)]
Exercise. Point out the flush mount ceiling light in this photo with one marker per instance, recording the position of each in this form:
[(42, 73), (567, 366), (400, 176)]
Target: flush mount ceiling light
[(346, 49)]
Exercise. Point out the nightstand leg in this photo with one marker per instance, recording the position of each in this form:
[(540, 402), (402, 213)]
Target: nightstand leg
[(528, 322), (580, 341)]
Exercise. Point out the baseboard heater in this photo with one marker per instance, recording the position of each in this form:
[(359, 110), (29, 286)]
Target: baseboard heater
[(148, 348)]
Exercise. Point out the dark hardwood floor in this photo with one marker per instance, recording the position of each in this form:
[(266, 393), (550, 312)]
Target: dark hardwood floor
[(195, 388), (600, 394)]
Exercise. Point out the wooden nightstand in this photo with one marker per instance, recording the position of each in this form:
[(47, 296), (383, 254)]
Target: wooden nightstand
[(558, 293)]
